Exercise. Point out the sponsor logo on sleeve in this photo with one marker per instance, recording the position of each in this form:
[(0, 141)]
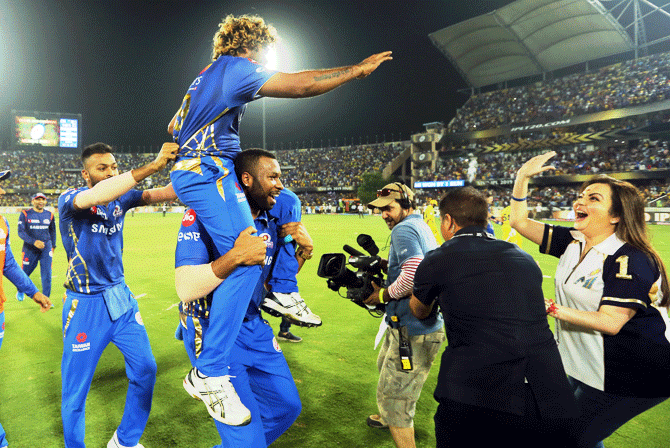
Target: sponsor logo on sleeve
[(188, 236), (189, 218), (241, 197)]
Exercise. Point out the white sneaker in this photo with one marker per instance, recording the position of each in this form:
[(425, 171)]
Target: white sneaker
[(114, 443), (219, 396), (292, 307)]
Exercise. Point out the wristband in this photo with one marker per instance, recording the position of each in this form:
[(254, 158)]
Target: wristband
[(381, 295), (288, 238), (519, 199), (301, 253), (552, 307)]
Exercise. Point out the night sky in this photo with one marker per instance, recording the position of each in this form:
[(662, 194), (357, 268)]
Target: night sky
[(125, 65)]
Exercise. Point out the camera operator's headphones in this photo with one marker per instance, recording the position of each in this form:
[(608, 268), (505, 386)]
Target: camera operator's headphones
[(404, 201)]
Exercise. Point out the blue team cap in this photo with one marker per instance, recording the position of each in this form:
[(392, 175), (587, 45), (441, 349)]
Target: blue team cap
[(39, 195), (5, 174)]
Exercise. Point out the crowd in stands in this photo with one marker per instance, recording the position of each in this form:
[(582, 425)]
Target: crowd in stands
[(338, 167), (626, 84), (54, 171), (648, 155), (335, 166)]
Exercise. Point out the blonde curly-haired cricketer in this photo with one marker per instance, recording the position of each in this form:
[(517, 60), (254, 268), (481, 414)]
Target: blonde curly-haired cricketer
[(237, 34), (206, 127)]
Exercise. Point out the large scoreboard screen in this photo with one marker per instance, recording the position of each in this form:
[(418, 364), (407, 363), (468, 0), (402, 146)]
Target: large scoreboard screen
[(46, 129)]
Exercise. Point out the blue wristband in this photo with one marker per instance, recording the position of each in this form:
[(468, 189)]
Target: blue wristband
[(519, 199), (288, 239)]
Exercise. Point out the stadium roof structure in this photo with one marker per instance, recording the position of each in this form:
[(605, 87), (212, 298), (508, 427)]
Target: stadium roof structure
[(532, 37)]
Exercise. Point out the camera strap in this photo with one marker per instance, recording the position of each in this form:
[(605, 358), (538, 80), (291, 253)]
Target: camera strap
[(404, 350)]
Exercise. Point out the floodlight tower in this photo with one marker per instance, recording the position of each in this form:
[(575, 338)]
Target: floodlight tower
[(640, 32)]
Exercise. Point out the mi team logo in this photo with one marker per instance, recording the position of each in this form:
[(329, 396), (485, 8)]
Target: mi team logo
[(275, 344), (267, 239)]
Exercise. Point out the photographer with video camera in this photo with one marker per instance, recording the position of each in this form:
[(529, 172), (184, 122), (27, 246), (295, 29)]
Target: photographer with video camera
[(410, 344)]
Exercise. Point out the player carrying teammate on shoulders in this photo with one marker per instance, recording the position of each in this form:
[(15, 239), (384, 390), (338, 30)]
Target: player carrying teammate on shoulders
[(206, 129)]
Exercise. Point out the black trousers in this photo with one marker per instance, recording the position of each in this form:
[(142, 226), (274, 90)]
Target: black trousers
[(461, 425)]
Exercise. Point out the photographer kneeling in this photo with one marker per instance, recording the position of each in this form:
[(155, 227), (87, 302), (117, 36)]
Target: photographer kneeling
[(501, 379), (410, 345)]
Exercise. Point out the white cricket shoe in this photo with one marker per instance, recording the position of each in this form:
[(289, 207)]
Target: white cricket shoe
[(292, 307), (219, 396), (114, 443)]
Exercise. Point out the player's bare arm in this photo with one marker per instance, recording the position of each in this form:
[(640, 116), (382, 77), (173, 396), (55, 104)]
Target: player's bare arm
[(316, 82), (115, 185), (194, 282), (158, 195)]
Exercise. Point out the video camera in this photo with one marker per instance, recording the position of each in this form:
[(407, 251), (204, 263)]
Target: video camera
[(359, 284)]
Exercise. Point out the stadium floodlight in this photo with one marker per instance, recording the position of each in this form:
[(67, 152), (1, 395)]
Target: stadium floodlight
[(271, 58)]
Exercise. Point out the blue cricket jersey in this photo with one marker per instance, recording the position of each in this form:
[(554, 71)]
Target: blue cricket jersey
[(287, 209), (37, 226), (194, 247), (210, 113), (93, 241)]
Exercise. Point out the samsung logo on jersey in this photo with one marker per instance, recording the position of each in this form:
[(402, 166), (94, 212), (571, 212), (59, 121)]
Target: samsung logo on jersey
[(188, 236), (100, 228)]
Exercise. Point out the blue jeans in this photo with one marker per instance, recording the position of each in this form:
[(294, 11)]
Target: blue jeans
[(285, 325), (603, 413)]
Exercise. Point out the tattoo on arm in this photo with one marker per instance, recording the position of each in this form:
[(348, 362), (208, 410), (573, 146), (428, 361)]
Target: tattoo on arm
[(333, 74)]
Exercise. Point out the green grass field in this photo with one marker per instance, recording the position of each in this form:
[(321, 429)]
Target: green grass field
[(334, 367)]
